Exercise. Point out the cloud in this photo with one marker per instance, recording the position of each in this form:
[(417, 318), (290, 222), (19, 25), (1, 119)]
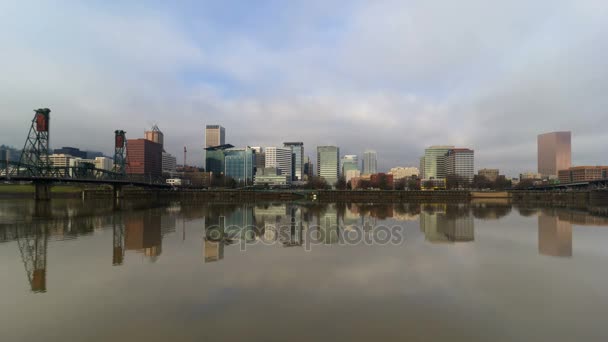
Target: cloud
[(390, 75)]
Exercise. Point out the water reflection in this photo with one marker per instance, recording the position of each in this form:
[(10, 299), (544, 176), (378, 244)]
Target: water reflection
[(554, 236), (140, 228), (443, 223)]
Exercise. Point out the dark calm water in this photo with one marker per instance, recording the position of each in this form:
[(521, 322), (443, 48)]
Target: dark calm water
[(90, 271)]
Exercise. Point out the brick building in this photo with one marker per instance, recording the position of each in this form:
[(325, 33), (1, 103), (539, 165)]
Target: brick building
[(144, 157), (582, 174)]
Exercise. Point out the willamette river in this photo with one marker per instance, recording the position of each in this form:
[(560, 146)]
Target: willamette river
[(93, 271)]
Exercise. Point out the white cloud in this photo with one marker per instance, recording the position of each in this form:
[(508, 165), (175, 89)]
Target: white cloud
[(391, 75)]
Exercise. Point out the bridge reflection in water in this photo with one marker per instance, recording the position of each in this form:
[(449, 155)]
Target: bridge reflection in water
[(140, 228)]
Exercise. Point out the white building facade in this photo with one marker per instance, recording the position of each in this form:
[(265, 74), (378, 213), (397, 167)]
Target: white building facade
[(280, 158)]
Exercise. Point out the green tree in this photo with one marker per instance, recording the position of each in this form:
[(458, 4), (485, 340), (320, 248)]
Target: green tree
[(413, 183), (341, 183), (317, 183)]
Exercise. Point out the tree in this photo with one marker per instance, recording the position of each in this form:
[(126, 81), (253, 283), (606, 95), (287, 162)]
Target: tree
[(481, 182), (502, 183), (217, 180), (341, 183), (428, 184), (401, 184), (317, 183), (230, 182), (383, 182), (364, 184), (525, 183), (413, 183)]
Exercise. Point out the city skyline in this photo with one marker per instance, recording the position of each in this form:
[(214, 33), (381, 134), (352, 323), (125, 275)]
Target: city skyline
[(314, 65)]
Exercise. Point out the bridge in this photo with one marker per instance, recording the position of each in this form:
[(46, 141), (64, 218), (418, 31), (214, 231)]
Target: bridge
[(598, 184), (35, 164)]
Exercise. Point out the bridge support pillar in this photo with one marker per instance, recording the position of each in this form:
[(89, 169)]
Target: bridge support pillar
[(43, 191), (117, 191)]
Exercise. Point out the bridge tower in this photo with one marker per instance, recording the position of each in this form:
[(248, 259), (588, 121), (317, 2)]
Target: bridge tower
[(120, 152), (118, 237), (35, 154), (33, 248)]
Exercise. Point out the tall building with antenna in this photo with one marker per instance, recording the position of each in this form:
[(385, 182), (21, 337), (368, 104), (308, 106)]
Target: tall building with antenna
[(155, 135)]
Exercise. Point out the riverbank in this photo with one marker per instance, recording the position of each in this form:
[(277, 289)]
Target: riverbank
[(324, 196), (8, 191)]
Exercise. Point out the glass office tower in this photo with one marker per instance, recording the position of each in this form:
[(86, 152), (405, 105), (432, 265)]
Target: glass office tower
[(239, 164)]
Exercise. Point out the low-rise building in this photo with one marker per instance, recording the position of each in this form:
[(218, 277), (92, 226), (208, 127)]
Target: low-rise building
[(401, 172), (381, 181), (270, 176), (104, 163), (489, 174), (582, 174), (433, 184), (196, 179), (530, 175), (360, 182), (174, 181), (350, 174)]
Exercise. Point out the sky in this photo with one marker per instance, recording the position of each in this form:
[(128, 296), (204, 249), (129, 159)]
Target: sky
[(394, 76)]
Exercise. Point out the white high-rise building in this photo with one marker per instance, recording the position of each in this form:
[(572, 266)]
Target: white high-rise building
[(461, 162), (328, 163), (370, 162), (281, 158), (169, 163)]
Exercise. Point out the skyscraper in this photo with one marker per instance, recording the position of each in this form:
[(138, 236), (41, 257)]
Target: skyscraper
[(260, 158), (328, 163), (297, 148), (214, 158), (239, 164), (369, 162), (349, 162), (421, 168), (461, 162), (554, 153), (215, 135), (155, 135), (281, 158), (435, 161), (309, 168)]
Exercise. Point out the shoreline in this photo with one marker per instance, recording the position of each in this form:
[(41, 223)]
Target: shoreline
[(378, 196)]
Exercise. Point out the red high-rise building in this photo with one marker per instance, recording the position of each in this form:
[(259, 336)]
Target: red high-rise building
[(554, 153), (144, 157)]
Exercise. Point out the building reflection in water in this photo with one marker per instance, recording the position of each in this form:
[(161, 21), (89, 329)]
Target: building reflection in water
[(554, 236), (143, 233), (225, 226), (292, 234), (214, 240), (213, 250), (33, 248), (442, 223)]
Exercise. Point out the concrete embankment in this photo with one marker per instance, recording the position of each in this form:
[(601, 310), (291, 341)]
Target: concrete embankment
[(287, 195), (370, 196)]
